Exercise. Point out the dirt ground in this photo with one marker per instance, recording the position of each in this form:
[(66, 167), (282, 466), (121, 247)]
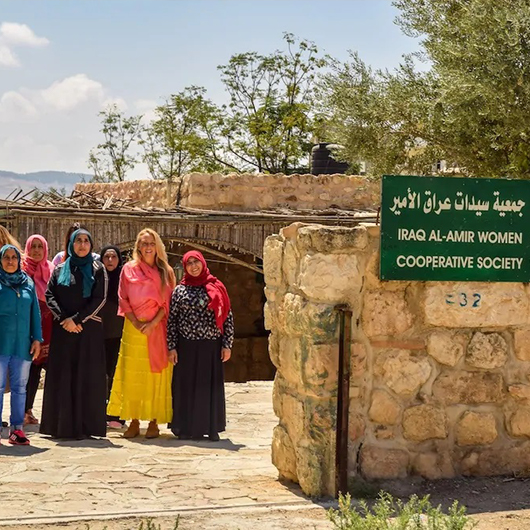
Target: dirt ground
[(499, 503)]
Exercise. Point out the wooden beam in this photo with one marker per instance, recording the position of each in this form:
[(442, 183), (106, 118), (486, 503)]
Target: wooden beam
[(204, 248)]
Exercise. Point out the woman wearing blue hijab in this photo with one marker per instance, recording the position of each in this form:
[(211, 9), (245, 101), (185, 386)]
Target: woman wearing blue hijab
[(75, 388), (20, 336)]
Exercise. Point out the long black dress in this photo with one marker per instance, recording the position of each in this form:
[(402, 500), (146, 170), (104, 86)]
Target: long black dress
[(198, 377), (75, 388)]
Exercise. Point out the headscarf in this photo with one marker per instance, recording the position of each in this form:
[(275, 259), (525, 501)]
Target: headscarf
[(85, 265), (12, 279), (39, 271), (219, 300), (114, 276)]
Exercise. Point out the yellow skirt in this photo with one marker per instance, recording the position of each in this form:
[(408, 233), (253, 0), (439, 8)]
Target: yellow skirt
[(137, 393)]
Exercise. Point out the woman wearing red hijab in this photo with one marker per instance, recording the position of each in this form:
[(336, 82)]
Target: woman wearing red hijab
[(39, 269), (200, 334)]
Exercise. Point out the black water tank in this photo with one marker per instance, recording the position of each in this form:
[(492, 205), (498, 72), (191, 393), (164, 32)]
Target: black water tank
[(322, 161)]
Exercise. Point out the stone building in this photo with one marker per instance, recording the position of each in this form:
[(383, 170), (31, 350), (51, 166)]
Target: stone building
[(436, 389)]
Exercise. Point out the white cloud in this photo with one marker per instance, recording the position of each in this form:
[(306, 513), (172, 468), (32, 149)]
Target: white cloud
[(65, 124), (14, 106), (7, 57), (72, 91), (13, 35)]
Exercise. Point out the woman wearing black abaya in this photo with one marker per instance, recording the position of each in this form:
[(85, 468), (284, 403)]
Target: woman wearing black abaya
[(200, 333), (112, 322), (75, 388)]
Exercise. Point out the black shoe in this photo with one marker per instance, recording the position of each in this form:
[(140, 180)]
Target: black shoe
[(214, 437), (184, 437)]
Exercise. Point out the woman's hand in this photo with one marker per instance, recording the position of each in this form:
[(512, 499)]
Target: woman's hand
[(35, 349), (69, 325), (173, 357), (148, 327), (136, 323), (225, 354)]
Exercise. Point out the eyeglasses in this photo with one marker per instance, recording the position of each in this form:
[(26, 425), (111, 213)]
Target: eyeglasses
[(144, 244)]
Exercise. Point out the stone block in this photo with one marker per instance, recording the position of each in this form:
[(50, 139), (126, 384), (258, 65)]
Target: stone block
[(316, 322), (433, 466), (320, 368), (518, 423), (520, 392), (272, 260), (445, 347), (487, 351), (330, 278), (424, 422), (383, 463), (403, 372), (293, 417), (475, 304), (332, 239), (372, 276), (469, 388), (356, 426), (476, 428), (310, 466), (290, 263), (522, 344), (498, 461), (283, 454), (385, 314), (384, 409), (290, 360), (357, 360)]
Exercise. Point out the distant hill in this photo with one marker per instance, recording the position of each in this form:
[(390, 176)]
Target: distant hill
[(10, 180)]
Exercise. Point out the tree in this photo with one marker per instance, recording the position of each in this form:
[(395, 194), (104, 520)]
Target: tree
[(178, 140), (472, 107), (111, 160), (268, 124)]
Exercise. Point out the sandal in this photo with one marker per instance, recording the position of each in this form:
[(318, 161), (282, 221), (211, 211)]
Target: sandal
[(29, 419)]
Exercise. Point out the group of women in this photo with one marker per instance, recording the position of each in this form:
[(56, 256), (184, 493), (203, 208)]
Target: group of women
[(118, 341)]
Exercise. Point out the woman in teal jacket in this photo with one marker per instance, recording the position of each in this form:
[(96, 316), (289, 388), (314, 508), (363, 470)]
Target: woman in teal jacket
[(20, 336)]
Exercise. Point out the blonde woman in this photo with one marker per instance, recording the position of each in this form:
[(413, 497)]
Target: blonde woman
[(141, 389)]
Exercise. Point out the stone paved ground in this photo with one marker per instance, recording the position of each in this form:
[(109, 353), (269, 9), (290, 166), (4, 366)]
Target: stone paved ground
[(60, 481)]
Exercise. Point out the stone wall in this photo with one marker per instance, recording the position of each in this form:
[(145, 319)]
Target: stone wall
[(249, 192), (439, 371)]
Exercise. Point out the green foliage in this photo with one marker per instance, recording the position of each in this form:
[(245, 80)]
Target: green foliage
[(471, 107), (179, 140), (268, 122), (111, 160), (390, 514)]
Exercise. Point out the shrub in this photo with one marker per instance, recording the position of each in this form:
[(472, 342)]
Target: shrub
[(388, 513)]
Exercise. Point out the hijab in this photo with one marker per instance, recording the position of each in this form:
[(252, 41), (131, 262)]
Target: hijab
[(12, 279), (39, 271), (219, 300), (85, 265), (114, 276)]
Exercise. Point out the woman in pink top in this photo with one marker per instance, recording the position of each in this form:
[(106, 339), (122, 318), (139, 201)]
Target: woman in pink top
[(141, 389)]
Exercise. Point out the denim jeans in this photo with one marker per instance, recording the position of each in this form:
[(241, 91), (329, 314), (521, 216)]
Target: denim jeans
[(18, 370)]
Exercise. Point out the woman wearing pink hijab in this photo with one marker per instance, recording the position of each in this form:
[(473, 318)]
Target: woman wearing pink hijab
[(39, 269)]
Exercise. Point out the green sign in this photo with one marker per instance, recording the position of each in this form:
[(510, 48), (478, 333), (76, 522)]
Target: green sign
[(445, 228)]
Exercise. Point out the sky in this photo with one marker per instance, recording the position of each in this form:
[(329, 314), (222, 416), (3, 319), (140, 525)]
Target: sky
[(62, 61)]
